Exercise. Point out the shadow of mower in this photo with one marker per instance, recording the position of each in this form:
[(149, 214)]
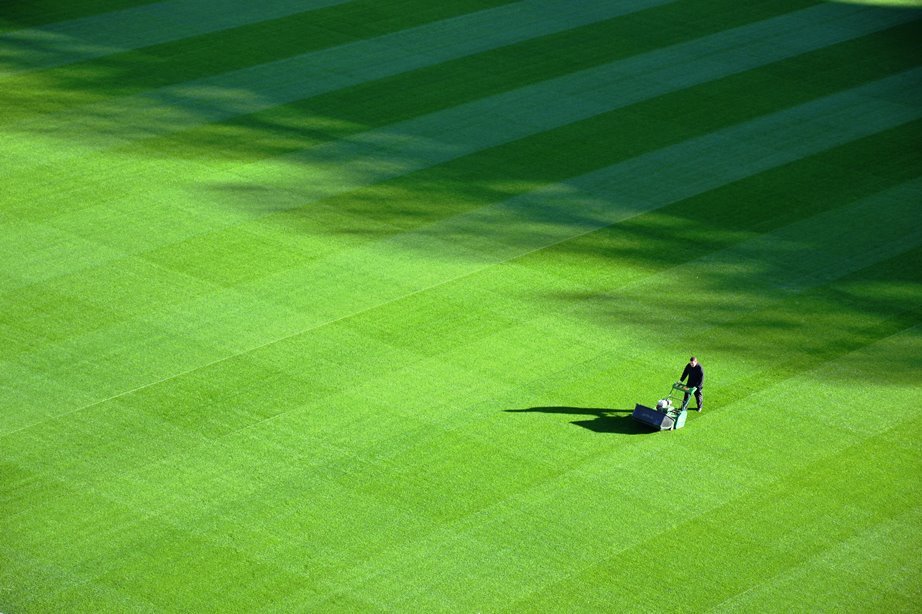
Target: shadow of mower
[(603, 421)]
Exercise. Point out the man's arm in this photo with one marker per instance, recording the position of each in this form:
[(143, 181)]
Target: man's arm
[(685, 373)]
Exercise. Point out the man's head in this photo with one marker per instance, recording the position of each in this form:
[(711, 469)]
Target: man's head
[(693, 361)]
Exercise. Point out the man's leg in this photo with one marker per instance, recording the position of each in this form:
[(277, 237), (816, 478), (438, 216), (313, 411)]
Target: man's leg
[(699, 399), (685, 400)]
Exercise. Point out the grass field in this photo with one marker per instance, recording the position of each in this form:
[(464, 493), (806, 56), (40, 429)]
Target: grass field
[(343, 305)]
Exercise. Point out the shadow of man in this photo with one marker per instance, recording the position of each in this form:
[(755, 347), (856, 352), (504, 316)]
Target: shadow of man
[(604, 420)]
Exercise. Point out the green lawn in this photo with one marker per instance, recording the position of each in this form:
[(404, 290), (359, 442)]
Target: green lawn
[(343, 305)]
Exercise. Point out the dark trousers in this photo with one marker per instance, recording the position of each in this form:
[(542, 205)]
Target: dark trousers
[(699, 399)]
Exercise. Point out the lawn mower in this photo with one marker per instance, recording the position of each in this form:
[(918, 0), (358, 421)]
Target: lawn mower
[(666, 416)]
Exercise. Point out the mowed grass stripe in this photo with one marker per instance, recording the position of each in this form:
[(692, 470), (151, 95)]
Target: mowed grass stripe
[(824, 505), (113, 169), (133, 28), (714, 219), (425, 141), (529, 171), (528, 164), (507, 524), (608, 195), (203, 478), (329, 379), (87, 585), (476, 125), (887, 583), (405, 273), (16, 16), (133, 72), (489, 548), (157, 187), (38, 585), (466, 243), (426, 90), (217, 97)]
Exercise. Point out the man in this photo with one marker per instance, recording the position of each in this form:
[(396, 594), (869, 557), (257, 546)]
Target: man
[(695, 375)]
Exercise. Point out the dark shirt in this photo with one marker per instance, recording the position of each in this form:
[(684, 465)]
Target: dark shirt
[(694, 374)]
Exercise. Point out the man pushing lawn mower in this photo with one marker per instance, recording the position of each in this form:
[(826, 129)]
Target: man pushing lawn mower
[(666, 416), (695, 374)]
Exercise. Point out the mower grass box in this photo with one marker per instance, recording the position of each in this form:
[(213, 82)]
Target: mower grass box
[(666, 416), (658, 419)]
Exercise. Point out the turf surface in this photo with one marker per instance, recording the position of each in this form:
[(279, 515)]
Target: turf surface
[(343, 305)]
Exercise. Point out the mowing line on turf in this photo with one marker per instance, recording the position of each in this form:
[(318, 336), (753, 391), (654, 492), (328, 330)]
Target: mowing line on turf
[(133, 72), (295, 199), (609, 195), (767, 555), (461, 80), (786, 128), (882, 211), (471, 529), (53, 240), (392, 478), (615, 193), (483, 123), (69, 42), (879, 539), (212, 98)]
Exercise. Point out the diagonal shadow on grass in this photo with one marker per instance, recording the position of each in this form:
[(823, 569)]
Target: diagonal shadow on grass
[(604, 420)]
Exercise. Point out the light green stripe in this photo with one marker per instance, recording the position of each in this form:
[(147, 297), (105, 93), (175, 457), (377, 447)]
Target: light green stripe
[(262, 86), (566, 210), (604, 197), (151, 24), (401, 148), (848, 587), (788, 446), (840, 242), (455, 262), (483, 542), (399, 266)]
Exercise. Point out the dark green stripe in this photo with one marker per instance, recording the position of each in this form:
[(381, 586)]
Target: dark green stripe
[(717, 219), (579, 148), (209, 54), (15, 14), (280, 130)]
